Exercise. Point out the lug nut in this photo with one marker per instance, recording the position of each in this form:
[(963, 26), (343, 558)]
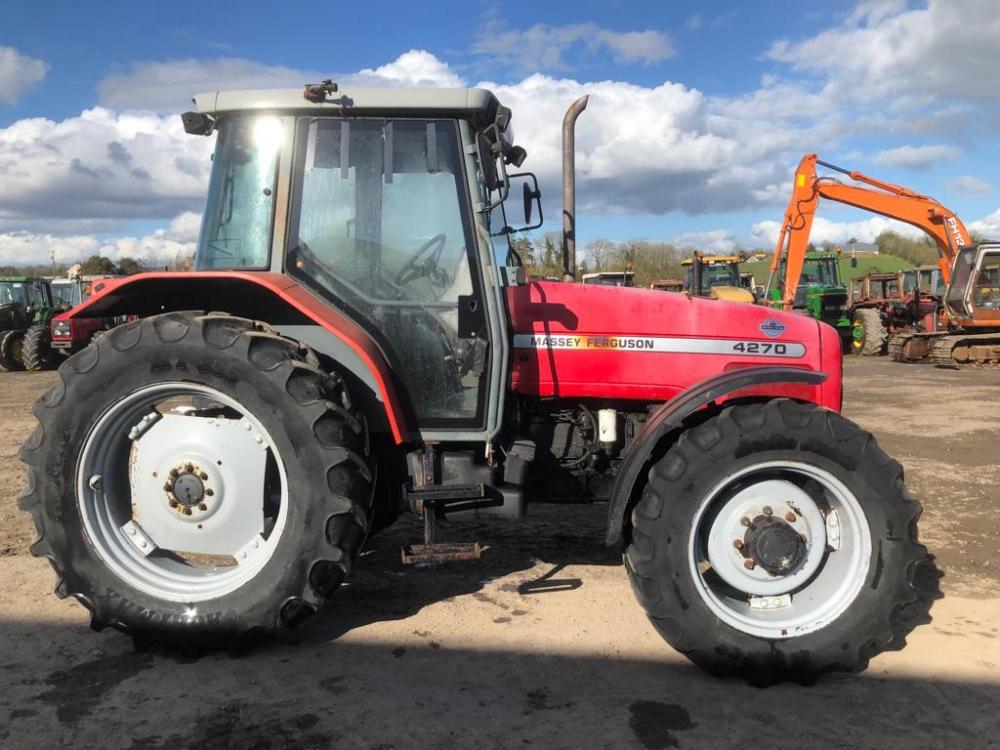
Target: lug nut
[(202, 506), (203, 476), (738, 543), (745, 521), (790, 517), (174, 473), (767, 510), (749, 564), (210, 492), (187, 511), (189, 468), (173, 503)]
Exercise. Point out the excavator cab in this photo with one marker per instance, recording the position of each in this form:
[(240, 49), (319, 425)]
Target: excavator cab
[(974, 289)]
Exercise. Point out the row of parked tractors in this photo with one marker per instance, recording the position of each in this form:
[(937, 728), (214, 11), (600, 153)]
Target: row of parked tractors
[(29, 338), (866, 312)]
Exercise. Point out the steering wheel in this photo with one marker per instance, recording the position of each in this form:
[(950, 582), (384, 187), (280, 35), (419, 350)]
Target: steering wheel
[(413, 269)]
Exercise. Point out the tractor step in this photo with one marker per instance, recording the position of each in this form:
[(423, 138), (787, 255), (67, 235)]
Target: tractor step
[(415, 554), (434, 500)]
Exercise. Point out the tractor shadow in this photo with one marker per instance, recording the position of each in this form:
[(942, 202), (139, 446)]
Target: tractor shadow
[(382, 588)]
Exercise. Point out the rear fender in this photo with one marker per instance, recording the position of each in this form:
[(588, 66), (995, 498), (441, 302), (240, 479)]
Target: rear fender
[(269, 297), (667, 422)]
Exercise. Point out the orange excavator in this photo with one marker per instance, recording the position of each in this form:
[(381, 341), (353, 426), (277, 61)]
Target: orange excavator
[(967, 326)]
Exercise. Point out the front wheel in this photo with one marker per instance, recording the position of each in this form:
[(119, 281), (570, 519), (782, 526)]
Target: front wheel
[(197, 478), (775, 541)]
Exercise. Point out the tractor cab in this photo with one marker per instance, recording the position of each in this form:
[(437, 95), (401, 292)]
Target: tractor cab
[(717, 277), (380, 206)]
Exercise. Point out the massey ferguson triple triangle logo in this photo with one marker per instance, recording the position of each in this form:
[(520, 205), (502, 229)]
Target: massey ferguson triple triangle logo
[(772, 328)]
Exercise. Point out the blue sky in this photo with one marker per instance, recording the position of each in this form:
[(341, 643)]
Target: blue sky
[(699, 113)]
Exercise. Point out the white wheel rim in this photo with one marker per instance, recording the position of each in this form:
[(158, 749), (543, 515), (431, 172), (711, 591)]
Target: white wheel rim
[(182, 505), (811, 588)]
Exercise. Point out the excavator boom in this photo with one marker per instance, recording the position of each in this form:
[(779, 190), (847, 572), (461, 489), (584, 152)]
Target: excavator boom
[(884, 198)]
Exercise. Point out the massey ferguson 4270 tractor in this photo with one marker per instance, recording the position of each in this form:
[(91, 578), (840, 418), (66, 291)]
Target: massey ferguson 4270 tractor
[(352, 345)]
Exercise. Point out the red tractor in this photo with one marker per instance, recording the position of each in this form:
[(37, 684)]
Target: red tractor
[(200, 476)]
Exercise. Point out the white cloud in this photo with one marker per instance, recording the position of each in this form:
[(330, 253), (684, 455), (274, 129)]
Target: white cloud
[(916, 157), (970, 185), (18, 73), (544, 47), (165, 246), (837, 232), (97, 170), (713, 240), (651, 149), (413, 68), (988, 227), (888, 52)]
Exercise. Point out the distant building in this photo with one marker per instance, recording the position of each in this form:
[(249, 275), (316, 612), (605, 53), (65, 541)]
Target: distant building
[(860, 247)]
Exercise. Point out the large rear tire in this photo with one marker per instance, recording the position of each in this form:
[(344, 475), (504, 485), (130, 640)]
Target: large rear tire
[(874, 336), (775, 541), (11, 351), (135, 450), (37, 349)]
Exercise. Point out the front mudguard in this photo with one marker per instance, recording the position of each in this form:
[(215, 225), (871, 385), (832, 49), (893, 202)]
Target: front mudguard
[(670, 417)]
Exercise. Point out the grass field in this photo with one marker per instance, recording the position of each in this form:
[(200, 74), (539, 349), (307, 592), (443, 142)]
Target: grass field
[(866, 264)]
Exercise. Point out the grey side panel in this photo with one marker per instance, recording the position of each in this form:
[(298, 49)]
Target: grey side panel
[(323, 341)]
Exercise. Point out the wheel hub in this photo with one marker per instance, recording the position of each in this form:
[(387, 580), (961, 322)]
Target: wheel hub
[(188, 489), (774, 545)]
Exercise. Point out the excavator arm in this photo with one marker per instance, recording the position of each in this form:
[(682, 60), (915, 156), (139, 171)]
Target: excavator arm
[(887, 199)]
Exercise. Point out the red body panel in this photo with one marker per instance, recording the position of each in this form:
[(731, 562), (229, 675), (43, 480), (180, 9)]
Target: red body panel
[(285, 288), (591, 341)]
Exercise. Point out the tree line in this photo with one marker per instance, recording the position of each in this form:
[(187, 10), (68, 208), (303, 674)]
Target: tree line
[(95, 265)]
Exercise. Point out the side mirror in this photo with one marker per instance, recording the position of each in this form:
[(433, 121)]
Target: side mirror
[(532, 198)]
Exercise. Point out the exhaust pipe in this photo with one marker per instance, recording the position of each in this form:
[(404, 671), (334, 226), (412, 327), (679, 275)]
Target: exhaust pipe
[(569, 187)]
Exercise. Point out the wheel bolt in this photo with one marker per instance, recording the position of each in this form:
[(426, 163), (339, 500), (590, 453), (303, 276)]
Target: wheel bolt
[(173, 503), (202, 507), (174, 473), (167, 487), (790, 517), (767, 510), (187, 511), (203, 476), (745, 521), (738, 543), (188, 467), (749, 564), (210, 492)]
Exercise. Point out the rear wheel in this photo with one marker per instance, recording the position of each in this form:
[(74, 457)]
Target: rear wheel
[(775, 541), (37, 348), (215, 482), (870, 335), (11, 351)]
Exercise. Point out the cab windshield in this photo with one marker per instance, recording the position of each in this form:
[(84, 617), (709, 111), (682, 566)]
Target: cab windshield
[(236, 230), (713, 275), (11, 293)]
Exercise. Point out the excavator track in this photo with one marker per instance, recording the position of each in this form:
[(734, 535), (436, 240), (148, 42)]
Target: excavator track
[(896, 343), (976, 349)]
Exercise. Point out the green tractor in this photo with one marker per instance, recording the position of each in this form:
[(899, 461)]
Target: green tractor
[(25, 312), (821, 293)]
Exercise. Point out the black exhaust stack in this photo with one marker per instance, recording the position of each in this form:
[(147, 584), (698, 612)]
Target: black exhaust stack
[(569, 187)]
